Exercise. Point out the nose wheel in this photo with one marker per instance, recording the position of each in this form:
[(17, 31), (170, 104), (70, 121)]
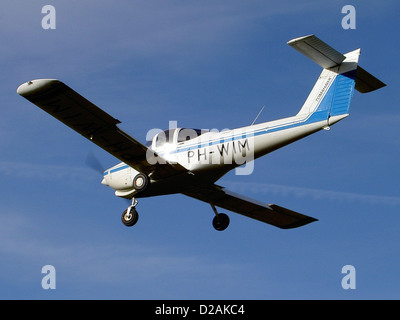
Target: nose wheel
[(130, 216), (220, 221)]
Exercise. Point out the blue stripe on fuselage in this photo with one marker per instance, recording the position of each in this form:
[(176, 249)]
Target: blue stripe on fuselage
[(116, 169)]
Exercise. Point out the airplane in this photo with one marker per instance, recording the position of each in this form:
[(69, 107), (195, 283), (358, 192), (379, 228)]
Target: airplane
[(190, 161)]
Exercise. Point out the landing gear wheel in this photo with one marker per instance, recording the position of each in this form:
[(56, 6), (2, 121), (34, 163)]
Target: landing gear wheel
[(140, 182), (220, 222), (130, 217)]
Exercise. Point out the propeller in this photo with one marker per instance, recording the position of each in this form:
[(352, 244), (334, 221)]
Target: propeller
[(93, 163)]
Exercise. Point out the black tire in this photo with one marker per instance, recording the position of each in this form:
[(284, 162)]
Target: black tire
[(131, 219), (220, 222), (140, 182)]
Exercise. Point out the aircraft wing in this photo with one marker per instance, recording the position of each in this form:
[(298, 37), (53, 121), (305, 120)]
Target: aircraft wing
[(269, 213), (84, 117)]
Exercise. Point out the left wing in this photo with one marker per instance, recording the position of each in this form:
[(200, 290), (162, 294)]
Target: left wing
[(99, 127), (269, 213)]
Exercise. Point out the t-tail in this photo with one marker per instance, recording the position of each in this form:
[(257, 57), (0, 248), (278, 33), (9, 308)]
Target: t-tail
[(331, 95)]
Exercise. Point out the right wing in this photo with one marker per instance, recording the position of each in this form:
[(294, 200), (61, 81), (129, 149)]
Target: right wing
[(269, 213), (84, 117)]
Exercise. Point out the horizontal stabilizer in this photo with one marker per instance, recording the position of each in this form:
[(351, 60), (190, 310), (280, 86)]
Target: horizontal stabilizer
[(328, 58), (366, 82), (318, 51)]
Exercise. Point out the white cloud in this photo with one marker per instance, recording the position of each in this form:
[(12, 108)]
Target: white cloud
[(45, 172), (317, 194)]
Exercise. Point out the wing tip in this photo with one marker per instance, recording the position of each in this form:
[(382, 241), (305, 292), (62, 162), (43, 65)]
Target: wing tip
[(300, 223), (292, 41), (34, 86), (297, 219)]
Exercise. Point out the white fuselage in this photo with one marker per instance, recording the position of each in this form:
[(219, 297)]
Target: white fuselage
[(215, 153)]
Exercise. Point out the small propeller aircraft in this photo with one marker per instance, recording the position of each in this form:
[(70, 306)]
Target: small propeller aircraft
[(190, 161)]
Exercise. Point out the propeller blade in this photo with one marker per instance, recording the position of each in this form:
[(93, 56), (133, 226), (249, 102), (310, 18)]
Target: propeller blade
[(93, 163)]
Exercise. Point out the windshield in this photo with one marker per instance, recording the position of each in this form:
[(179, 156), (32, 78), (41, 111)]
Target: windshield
[(186, 134), (168, 136), (165, 137)]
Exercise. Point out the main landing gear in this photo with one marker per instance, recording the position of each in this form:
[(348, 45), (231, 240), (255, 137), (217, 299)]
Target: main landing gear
[(220, 221)]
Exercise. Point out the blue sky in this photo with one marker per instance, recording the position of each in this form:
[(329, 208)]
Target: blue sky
[(205, 64)]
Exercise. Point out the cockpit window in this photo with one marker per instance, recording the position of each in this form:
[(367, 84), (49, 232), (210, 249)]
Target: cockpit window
[(165, 137), (186, 134), (168, 136)]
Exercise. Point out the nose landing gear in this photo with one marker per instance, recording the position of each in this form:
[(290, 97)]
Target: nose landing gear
[(130, 216)]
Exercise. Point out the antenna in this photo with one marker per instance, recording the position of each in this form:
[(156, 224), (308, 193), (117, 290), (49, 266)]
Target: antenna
[(258, 115)]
